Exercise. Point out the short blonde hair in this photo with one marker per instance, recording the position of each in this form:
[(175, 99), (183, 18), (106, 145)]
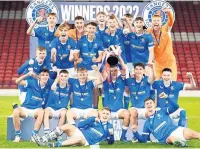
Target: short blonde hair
[(52, 14)]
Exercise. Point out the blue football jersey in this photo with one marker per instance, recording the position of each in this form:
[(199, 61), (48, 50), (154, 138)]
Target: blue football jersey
[(94, 132), (63, 52), (138, 91), (36, 95), (172, 92), (113, 94), (160, 125), (59, 98), (139, 47), (88, 50), (82, 94)]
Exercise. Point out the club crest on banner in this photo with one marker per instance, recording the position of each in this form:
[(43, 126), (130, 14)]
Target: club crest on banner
[(151, 8), (40, 8)]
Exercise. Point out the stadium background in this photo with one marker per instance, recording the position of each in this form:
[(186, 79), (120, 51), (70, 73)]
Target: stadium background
[(14, 51)]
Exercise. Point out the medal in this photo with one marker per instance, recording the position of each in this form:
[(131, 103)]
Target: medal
[(158, 47), (82, 99), (43, 103), (59, 102), (114, 97), (166, 102), (136, 97), (61, 57)]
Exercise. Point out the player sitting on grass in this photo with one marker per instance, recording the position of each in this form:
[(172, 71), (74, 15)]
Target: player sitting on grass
[(170, 89), (89, 132), (57, 101), (162, 127), (37, 91)]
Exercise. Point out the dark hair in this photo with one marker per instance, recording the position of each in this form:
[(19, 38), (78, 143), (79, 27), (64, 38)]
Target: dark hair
[(140, 64), (44, 70), (128, 15), (106, 108), (167, 69), (139, 19), (79, 18), (64, 71), (148, 99), (92, 23), (112, 17)]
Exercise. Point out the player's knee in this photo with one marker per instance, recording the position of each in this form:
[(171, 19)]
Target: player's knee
[(46, 112), (134, 113), (126, 115), (16, 112), (40, 113), (62, 113)]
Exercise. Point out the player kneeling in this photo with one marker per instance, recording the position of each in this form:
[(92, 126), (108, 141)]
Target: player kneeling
[(58, 99), (162, 127), (89, 132)]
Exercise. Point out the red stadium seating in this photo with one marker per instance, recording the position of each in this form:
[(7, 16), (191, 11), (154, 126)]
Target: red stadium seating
[(14, 43)]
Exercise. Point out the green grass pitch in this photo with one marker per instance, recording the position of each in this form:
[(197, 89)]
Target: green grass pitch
[(192, 106)]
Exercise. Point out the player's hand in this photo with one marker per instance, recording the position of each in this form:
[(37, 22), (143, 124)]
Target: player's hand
[(79, 60), (163, 95), (124, 19), (132, 75), (54, 68), (53, 51), (94, 59), (189, 75), (165, 10), (31, 62), (64, 22), (97, 119), (111, 131), (150, 64), (94, 67), (30, 73), (134, 128), (107, 31), (39, 19), (127, 90), (53, 87)]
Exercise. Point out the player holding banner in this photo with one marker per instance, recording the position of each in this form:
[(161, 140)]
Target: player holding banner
[(164, 57)]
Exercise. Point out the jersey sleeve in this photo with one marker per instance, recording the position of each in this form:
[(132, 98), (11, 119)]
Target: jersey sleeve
[(172, 108), (145, 135), (150, 41), (71, 81), (29, 83), (86, 122), (37, 32), (100, 48), (170, 21), (23, 67), (180, 85), (53, 43), (155, 85)]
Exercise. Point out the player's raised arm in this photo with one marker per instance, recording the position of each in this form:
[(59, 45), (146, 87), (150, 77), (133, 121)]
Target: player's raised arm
[(21, 81), (31, 27), (192, 83), (170, 20)]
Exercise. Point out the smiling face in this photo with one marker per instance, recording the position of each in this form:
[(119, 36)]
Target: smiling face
[(91, 30), (44, 76), (114, 73), (52, 19), (138, 24), (139, 71), (79, 24), (63, 32), (101, 18), (167, 76), (63, 78), (112, 24), (150, 106), (82, 75), (104, 115), (156, 22), (41, 54)]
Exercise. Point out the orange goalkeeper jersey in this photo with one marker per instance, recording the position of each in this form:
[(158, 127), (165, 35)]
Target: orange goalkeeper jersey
[(74, 34), (164, 51)]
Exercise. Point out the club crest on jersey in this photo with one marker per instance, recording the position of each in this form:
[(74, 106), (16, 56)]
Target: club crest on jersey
[(159, 116), (172, 88), (40, 8), (151, 9)]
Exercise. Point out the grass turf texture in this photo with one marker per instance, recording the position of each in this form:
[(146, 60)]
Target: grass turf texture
[(190, 104)]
